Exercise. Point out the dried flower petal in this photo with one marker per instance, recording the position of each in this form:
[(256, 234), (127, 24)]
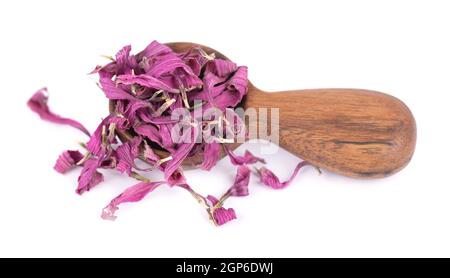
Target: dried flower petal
[(134, 193), (176, 178), (146, 81), (240, 185), (126, 154), (211, 155), (221, 215), (181, 153), (112, 91), (95, 143), (154, 49), (38, 104), (149, 131), (248, 157), (67, 160), (268, 178), (221, 68), (89, 176)]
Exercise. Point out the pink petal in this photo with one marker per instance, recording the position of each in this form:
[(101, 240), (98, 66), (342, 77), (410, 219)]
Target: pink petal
[(121, 123), (181, 153), (268, 178), (248, 157), (154, 49), (221, 215), (240, 186), (176, 178), (143, 80), (111, 90), (94, 145), (38, 104), (211, 155), (134, 193), (150, 131), (124, 61), (67, 160), (221, 68), (127, 153), (89, 176)]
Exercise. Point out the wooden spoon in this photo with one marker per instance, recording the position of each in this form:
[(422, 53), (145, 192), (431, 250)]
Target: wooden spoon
[(352, 132)]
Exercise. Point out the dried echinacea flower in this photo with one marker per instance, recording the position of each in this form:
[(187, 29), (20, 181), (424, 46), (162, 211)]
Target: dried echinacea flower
[(148, 89)]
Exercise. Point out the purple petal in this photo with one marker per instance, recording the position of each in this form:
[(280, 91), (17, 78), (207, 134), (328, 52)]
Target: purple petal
[(134, 193), (131, 110), (38, 104), (211, 80), (151, 132), (177, 158), (166, 64), (126, 154), (154, 49), (67, 160), (248, 157), (240, 186), (194, 59), (150, 155), (121, 123), (221, 68), (268, 178), (211, 155), (176, 178), (124, 61), (221, 215), (112, 91), (143, 80), (236, 89), (89, 176), (181, 153), (94, 145)]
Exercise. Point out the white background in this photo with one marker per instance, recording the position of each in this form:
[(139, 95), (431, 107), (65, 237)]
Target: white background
[(398, 47)]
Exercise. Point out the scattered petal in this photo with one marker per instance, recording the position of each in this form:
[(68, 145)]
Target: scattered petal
[(248, 157), (67, 160), (268, 178), (240, 185), (221, 215), (134, 193), (38, 103)]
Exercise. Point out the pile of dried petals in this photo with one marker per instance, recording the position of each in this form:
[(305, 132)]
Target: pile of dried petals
[(147, 88)]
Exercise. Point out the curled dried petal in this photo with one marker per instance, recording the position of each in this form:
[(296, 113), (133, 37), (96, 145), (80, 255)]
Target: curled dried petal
[(220, 215), (38, 103), (268, 178), (127, 153), (240, 185), (67, 160), (211, 155), (247, 158), (89, 176), (134, 193)]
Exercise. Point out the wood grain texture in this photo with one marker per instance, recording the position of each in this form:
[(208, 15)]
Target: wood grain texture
[(352, 132), (356, 133)]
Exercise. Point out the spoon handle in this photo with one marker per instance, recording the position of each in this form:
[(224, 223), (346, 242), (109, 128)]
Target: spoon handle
[(356, 133)]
